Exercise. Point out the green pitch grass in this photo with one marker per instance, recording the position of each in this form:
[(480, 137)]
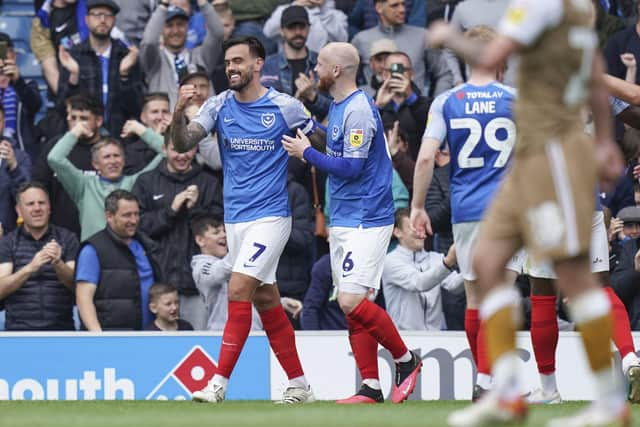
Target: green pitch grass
[(246, 414)]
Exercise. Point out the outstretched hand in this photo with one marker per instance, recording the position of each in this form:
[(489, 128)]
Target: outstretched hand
[(295, 145), (420, 222)]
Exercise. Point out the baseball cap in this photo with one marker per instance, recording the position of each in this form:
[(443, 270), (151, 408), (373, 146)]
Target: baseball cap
[(106, 3), (294, 15), (4, 37), (194, 70), (630, 214), (175, 12), (382, 46)]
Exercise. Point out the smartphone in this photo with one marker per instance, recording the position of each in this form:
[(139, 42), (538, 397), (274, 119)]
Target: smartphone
[(3, 50), (397, 68)]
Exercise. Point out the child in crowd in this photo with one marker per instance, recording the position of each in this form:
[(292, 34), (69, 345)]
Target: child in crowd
[(211, 270), (165, 304)]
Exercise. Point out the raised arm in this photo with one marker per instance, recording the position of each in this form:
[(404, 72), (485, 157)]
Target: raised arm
[(212, 43), (522, 24), (71, 178), (489, 56), (150, 45), (185, 136), (628, 92)]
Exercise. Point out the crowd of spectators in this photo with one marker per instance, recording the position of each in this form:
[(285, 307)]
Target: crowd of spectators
[(98, 210)]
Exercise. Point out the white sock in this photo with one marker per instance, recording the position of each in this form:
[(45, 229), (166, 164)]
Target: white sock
[(505, 376), (299, 382), (220, 380), (484, 381), (372, 383), (610, 390), (628, 361), (548, 382), (405, 358)]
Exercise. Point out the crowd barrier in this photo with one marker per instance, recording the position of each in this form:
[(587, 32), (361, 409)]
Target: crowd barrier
[(153, 366)]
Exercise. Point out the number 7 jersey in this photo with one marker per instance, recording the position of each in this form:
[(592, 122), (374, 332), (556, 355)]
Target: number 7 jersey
[(477, 124)]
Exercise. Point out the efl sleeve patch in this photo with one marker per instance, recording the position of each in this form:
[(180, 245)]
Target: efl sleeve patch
[(356, 137), (515, 15)]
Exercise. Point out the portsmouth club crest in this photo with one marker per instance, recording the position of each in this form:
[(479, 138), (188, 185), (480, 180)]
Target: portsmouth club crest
[(334, 133), (268, 119)]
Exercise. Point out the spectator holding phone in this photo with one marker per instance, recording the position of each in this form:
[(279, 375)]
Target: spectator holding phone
[(15, 169), (19, 98), (399, 99)]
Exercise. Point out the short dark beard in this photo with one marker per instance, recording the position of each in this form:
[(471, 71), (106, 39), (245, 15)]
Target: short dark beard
[(293, 44), (243, 82), (101, 36)]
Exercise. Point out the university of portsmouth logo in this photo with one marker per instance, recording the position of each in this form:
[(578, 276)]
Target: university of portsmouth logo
[(268, 119), (334, 132), (190, 374)]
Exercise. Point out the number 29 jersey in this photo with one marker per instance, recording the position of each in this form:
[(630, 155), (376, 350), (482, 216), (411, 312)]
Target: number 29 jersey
[(477, 124)]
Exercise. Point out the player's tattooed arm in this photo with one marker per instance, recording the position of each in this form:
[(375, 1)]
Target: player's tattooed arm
[(185, 136), (318, 140)]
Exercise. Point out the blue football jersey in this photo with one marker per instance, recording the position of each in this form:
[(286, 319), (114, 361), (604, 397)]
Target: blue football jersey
[(355, 131), (254, 164), (477, 123)]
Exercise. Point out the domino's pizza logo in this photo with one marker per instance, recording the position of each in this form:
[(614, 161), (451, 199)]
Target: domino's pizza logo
[(190, 374), (268, 119)]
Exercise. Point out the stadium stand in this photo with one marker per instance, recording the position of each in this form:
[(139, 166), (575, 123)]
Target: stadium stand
[(17, 8)]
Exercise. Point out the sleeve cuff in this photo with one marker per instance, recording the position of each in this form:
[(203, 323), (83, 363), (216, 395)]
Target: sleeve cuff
[(411, 99)]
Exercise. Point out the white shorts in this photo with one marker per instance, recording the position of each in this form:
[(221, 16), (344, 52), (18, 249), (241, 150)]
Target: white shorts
[(465, 235), (357, 256), (598, 250), (255, 247)]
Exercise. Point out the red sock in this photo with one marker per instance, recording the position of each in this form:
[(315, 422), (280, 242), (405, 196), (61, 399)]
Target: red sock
[(365, 350), (282, 340), (236, 331), (544, 332), (471, 328), (483, 356), (380, 326), (621, 326)]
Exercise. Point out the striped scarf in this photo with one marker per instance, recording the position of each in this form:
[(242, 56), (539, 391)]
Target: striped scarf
[(10, 104)]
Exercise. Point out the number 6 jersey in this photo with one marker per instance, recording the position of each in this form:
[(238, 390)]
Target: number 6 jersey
[(477, 124)]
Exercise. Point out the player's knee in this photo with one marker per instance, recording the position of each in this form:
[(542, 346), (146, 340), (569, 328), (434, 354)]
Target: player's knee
[(241, 287), (348, 302), (239, 292), (345, 306), (264, 302)]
